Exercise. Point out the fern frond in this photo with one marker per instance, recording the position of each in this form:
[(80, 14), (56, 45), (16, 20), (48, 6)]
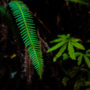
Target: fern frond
[(26, 26)]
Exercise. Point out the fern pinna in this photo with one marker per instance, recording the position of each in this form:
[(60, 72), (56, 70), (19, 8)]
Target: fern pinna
[(26, 26)]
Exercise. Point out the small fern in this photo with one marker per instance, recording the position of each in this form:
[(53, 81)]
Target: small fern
[(66, 42), (26, 26), (86, 56)]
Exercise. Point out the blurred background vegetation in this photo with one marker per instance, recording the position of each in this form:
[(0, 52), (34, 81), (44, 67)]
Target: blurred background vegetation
[(52, 18)]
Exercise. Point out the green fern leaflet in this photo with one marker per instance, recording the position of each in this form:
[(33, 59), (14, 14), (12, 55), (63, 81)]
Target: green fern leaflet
[(26, 26)]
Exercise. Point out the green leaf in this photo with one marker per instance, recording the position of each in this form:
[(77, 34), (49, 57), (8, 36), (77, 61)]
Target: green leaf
[(56, 40), (77, 54), (62, 36), (88, 51), (75, 39), (88, 55), (65, 56), (71, 51), (56, 46), (65, 81), (80, 59), (87, 60), (61, 51), (68, 35), (87, 88), (87, 83), (78, 45)]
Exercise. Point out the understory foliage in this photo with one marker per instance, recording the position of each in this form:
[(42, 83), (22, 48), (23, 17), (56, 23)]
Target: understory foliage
[(71, 69), (76, 74), (71, 48), (67, 43)]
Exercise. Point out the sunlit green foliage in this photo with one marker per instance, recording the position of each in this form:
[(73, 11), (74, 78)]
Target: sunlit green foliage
[(65, 42)]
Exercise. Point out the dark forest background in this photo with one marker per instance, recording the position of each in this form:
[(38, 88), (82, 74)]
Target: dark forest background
[(52, 17)]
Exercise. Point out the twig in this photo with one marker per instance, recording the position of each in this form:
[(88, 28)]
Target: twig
[(43, 43)]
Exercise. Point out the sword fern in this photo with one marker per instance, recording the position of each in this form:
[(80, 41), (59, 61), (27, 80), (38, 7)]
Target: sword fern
[(26, 26)]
